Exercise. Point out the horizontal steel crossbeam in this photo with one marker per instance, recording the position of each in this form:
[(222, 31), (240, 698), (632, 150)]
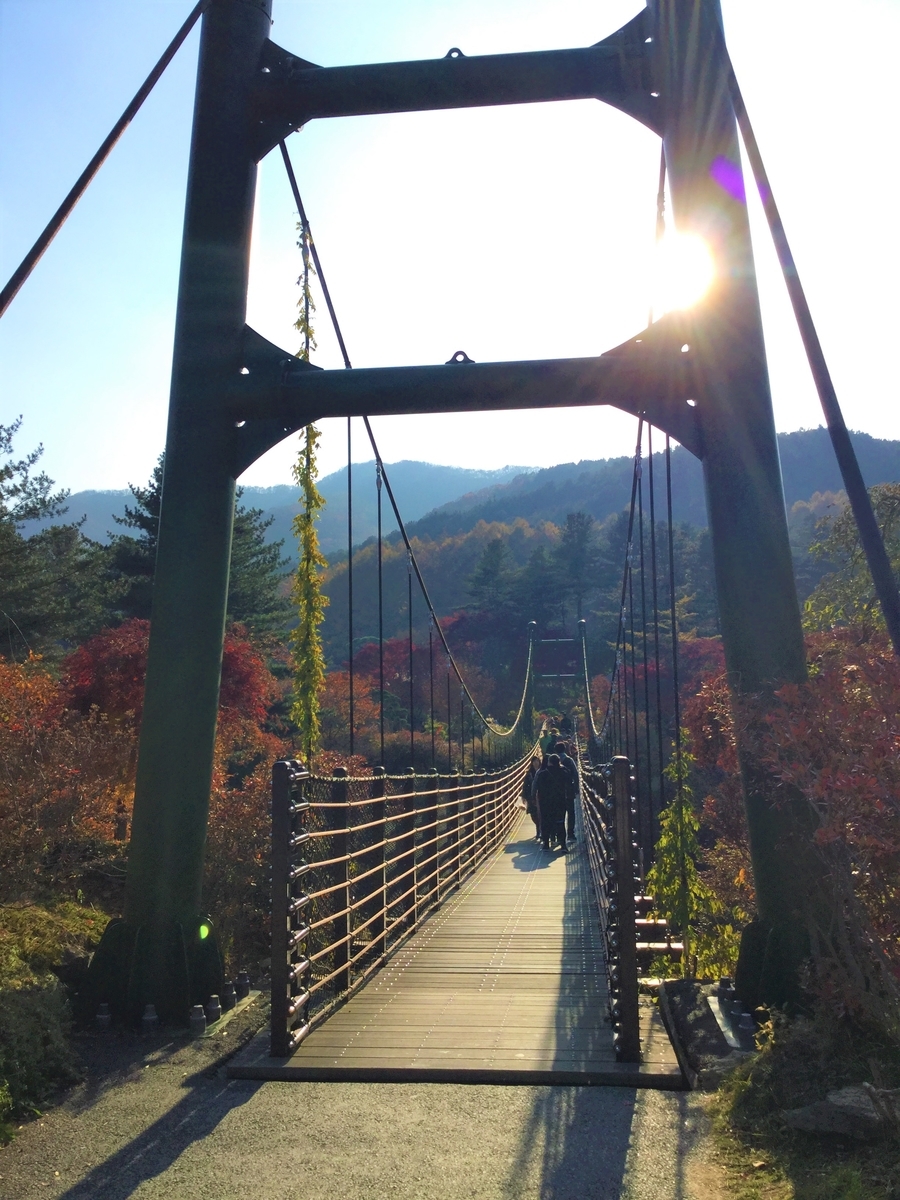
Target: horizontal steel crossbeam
[(291, 91), (279, 393)]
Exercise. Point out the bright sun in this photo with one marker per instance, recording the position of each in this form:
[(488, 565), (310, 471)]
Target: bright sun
[(684, 272)]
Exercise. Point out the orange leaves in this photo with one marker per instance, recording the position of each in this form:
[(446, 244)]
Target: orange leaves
[(108, 673), (836, 741), (68, 751)]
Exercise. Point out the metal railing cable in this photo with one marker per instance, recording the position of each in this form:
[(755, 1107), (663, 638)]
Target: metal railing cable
[(382, 478), (628, 721), (597, 736), (357, 865)]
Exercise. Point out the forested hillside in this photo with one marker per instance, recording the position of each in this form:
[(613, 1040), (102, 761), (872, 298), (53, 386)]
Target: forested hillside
[(418, 486), (437, 500), (601, 488)]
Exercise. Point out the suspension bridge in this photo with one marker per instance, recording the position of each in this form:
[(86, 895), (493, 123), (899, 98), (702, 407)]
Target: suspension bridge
[(416, 929)]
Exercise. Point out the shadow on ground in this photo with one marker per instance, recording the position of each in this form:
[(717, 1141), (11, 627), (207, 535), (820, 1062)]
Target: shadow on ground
[(151, 1153)]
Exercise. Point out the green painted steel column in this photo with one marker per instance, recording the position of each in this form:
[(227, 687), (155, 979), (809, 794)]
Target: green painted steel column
[(729, 386), (191, 582)]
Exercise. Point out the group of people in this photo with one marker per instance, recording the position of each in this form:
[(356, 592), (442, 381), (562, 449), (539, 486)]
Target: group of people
[(550, 789)]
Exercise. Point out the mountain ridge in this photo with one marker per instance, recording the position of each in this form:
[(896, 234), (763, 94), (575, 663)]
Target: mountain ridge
[(437, 501)]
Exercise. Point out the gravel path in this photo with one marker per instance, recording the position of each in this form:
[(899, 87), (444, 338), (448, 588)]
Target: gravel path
[(161, 1120)]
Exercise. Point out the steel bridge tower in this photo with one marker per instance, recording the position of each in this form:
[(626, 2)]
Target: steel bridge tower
[(700, 375)]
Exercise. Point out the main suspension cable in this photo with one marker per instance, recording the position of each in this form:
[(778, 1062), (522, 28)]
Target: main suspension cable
[(56, 222), (860, 502), (620, 635), (301, 212), (382, 476)]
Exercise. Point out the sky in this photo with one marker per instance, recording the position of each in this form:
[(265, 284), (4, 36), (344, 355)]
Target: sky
[(520, 232)]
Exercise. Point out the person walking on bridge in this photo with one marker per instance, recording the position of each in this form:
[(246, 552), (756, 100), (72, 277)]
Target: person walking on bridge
[(547, 740), (551, 785), (528, 795), (564, 750)]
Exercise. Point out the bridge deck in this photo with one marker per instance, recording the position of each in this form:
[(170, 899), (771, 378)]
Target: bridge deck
[(504, 984)]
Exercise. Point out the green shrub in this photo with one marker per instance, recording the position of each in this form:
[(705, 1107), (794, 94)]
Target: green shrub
[(35, 1055), (36, 939)]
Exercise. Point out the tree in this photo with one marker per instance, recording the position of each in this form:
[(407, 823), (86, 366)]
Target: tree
[(833, 744), (257, 567), (491, 583), (54, 588), (847, 595), (255, 593), (23, 496), (576, 558), (536, 592)]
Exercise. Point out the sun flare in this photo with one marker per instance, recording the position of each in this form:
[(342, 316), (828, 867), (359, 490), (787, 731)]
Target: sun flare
[(684, 272)]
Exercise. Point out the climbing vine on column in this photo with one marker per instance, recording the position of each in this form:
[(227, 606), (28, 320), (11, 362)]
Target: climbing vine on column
[(308, 599), (306, 592)]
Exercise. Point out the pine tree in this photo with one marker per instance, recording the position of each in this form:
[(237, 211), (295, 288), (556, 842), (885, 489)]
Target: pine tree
[(491, 583), (54, 588), (257, 567), (576, 557)]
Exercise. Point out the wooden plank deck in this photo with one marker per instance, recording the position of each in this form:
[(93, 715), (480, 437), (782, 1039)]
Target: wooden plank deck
[(505, 983)]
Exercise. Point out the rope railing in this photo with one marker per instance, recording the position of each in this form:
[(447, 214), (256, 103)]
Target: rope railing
[(357, 865)]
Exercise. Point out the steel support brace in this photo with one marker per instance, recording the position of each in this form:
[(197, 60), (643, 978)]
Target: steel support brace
[(758, 609)]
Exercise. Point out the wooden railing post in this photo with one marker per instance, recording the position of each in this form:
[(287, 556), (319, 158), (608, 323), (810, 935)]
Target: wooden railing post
[(407, 849), (481, 790), (290, 965), (453, 789), (343, 924), (439, 831), (377, 858), (628, 1041)]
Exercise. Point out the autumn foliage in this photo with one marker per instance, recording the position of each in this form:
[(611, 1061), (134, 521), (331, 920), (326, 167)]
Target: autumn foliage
[(835, 742), (68, 748)]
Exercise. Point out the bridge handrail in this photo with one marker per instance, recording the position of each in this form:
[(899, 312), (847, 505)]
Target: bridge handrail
[(606, 810), (375, 880)]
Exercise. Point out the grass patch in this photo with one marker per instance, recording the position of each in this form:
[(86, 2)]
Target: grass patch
[(799, 1062), (38, 939)]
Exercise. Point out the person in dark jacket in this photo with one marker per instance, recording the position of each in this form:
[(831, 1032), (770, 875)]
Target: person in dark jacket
[(528, 795), (550, 785), (547, 741), (564, 749)]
